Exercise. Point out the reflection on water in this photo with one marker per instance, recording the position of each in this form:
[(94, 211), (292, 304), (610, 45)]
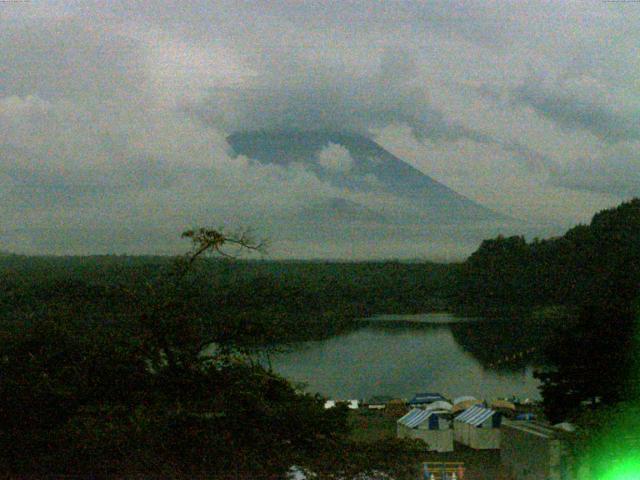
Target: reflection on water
[(422, 318), (396, 357)]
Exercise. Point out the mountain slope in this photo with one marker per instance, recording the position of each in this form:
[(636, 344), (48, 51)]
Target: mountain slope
[(354, 162), (339, 209)]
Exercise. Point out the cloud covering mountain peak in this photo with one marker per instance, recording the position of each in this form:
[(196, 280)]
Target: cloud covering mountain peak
[(114, 115)]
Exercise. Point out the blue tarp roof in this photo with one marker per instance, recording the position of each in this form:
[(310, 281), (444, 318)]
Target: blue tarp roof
[(415, 417), (525, 416), (425, 397), (475, 415)]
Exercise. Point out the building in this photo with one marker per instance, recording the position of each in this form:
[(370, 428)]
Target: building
[(460, 404), (440, 406), (532, 451), (478, 428), (378, 402), (438, 470), (463, 398), (526, 416), (503, 405), (423, 399), (431, 427)]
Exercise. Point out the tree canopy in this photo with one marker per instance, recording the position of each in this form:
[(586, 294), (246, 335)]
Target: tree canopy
[(594, 271)]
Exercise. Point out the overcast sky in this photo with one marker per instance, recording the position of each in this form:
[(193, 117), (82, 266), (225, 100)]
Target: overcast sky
[(113, 115)]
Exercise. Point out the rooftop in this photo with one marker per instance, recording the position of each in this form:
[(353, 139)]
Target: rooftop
[(534, 428)]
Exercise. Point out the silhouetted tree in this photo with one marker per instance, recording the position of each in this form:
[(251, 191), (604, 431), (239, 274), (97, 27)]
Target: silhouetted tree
[(143, 394)]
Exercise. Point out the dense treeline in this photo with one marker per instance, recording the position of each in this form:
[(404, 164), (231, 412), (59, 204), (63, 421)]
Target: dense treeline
[(593, 368), (148, 365), (592, 263), (593, 271), (128, 366), (298, 300)]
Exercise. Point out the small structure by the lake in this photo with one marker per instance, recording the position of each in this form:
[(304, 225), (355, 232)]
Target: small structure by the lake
[(462, 403), (378, 402), (329, 404), (506, 408), (503, 405), (530, 450), (424, 399), (478, 428), (526, 416), (427, 425), (440, 406)]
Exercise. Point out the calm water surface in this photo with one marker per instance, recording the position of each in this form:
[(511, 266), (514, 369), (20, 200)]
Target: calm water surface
[(400, 355)]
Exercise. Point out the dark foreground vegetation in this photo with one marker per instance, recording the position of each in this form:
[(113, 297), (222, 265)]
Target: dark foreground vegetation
[(260, 301), (147, 365), (593, 273), (590, 264), (122, 367), (593, 352)]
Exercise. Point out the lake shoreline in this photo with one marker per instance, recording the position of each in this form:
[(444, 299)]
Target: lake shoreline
[(424, 353)]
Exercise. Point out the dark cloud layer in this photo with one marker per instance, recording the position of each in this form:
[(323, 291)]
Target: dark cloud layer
[(313, 97), (573, 112), (113, 115)]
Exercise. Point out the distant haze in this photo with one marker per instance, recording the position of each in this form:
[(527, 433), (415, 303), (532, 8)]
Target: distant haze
[(115, 122)]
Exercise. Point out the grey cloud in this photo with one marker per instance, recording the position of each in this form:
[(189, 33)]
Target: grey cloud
[(34, 183), (65, 57), (95, 135), (616, 172), (535, 162), (310, 97), (575, 113)]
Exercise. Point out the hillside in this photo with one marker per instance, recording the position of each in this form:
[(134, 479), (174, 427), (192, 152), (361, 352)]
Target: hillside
[(589, 264)]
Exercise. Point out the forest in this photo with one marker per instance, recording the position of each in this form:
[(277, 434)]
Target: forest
[(132, 365), (137, 365), (592, 275), (596, 263), (298, 300)]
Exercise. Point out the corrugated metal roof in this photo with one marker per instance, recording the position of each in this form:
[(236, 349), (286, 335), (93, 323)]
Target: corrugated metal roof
[(533, 428), (475, 415), (415, 417), (426, 397)]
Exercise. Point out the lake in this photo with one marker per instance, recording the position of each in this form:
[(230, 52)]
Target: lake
[(400, 355)]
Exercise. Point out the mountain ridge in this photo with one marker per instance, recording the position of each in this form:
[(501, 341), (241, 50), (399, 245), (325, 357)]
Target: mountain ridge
[(371, 169)]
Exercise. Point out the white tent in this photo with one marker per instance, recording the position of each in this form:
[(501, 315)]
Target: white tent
[(478, 428), (460, 404), (463, 398), (429, 426), (440, 406)]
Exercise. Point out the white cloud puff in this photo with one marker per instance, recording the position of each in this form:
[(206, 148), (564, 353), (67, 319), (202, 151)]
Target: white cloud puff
[(335, 158)]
